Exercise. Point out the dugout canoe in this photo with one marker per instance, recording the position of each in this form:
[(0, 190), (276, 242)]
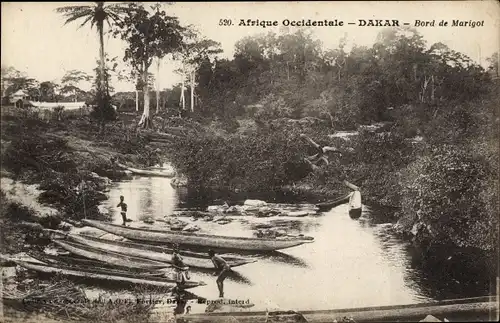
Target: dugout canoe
[(96, 274), (78, 262), (477, 309), (109, 257), (191, 259), (200, 240), (328, 205)]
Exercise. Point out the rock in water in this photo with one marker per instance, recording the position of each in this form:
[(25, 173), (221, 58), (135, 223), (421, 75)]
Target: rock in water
[(430, 318), (232, 209), (191, 228), (298, 214), (256, 203), (213, 208)]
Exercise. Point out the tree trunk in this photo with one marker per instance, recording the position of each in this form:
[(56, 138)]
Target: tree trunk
[(158, 85), (136, 100), (433, 89), (182, 99), (100, 29), (145, 121), (192, 75)]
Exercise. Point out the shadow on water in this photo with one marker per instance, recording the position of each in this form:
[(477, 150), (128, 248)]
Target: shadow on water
[(441, 272), (273, 256), (444, 272), (233, 275), (284, 258)]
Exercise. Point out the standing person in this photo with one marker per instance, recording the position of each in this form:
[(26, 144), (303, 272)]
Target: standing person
[(181, 270), (123, 206), (221, 265)]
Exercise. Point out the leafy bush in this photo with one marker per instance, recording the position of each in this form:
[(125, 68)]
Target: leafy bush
[(445, 196), (37, 152), (251, 162)]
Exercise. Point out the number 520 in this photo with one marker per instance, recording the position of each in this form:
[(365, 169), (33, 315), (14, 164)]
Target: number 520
[(225, 22)]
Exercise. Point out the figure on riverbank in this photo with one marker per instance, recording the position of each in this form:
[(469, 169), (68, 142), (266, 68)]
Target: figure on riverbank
[(220, 265), (321, 157), (123, 212), (181, 270)]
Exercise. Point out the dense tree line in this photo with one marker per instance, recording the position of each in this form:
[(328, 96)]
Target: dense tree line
[(436, 162)]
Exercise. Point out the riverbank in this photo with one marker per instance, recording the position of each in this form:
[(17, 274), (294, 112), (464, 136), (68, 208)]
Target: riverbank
[(437, 176), (54, 173), (63, 160)]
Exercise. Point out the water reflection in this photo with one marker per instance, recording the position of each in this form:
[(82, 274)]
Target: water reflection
[(233, 275), (350, 263), (146, 197), (280, 257)]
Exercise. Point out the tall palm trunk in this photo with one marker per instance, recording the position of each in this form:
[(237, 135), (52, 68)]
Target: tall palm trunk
[(101, 87), (158, 85), (100, 29)]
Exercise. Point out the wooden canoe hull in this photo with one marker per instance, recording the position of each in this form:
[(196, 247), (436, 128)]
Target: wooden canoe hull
[(109, 257), (328, 205), (191, 259), (479, 309), (201, 240), (97, 275)]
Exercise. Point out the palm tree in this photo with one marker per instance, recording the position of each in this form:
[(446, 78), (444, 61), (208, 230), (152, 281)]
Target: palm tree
[(95, 14)]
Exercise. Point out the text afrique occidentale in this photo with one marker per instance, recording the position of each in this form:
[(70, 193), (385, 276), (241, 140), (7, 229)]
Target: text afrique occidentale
[(309, 23)]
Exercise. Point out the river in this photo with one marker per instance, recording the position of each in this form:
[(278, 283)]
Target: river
[(351, 263)]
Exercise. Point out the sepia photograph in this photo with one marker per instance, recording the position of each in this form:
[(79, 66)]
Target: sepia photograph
[(291, 161)]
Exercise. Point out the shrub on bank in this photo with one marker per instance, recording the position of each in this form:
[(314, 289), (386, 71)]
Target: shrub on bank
[(445, 196), (254, 162)]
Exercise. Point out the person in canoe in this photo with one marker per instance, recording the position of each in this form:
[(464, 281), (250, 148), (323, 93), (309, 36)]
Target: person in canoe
[(123, 207), (355, 205), (181, 270), (321, 156), (224, 269)]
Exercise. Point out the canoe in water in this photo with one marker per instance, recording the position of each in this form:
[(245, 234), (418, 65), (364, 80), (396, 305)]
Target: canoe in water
[(328, 205), (109, 257), (200, 240), (191, 259), (104, 276)]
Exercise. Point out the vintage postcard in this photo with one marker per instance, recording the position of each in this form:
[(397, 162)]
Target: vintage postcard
[(250, 161)]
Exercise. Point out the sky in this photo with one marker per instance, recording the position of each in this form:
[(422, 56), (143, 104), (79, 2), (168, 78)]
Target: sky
[(35, 40)]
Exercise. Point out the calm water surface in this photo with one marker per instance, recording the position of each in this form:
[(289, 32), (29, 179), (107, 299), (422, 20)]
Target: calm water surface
[(350, 263)]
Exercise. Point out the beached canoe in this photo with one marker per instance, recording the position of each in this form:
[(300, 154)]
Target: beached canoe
[(200, 240), (328, 205), (104, 276), (80, 263), (109, 257), (191, 259)]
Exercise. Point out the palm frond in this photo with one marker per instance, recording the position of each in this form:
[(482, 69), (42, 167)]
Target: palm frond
[(72, 9), (86, 21), (78, 15)]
